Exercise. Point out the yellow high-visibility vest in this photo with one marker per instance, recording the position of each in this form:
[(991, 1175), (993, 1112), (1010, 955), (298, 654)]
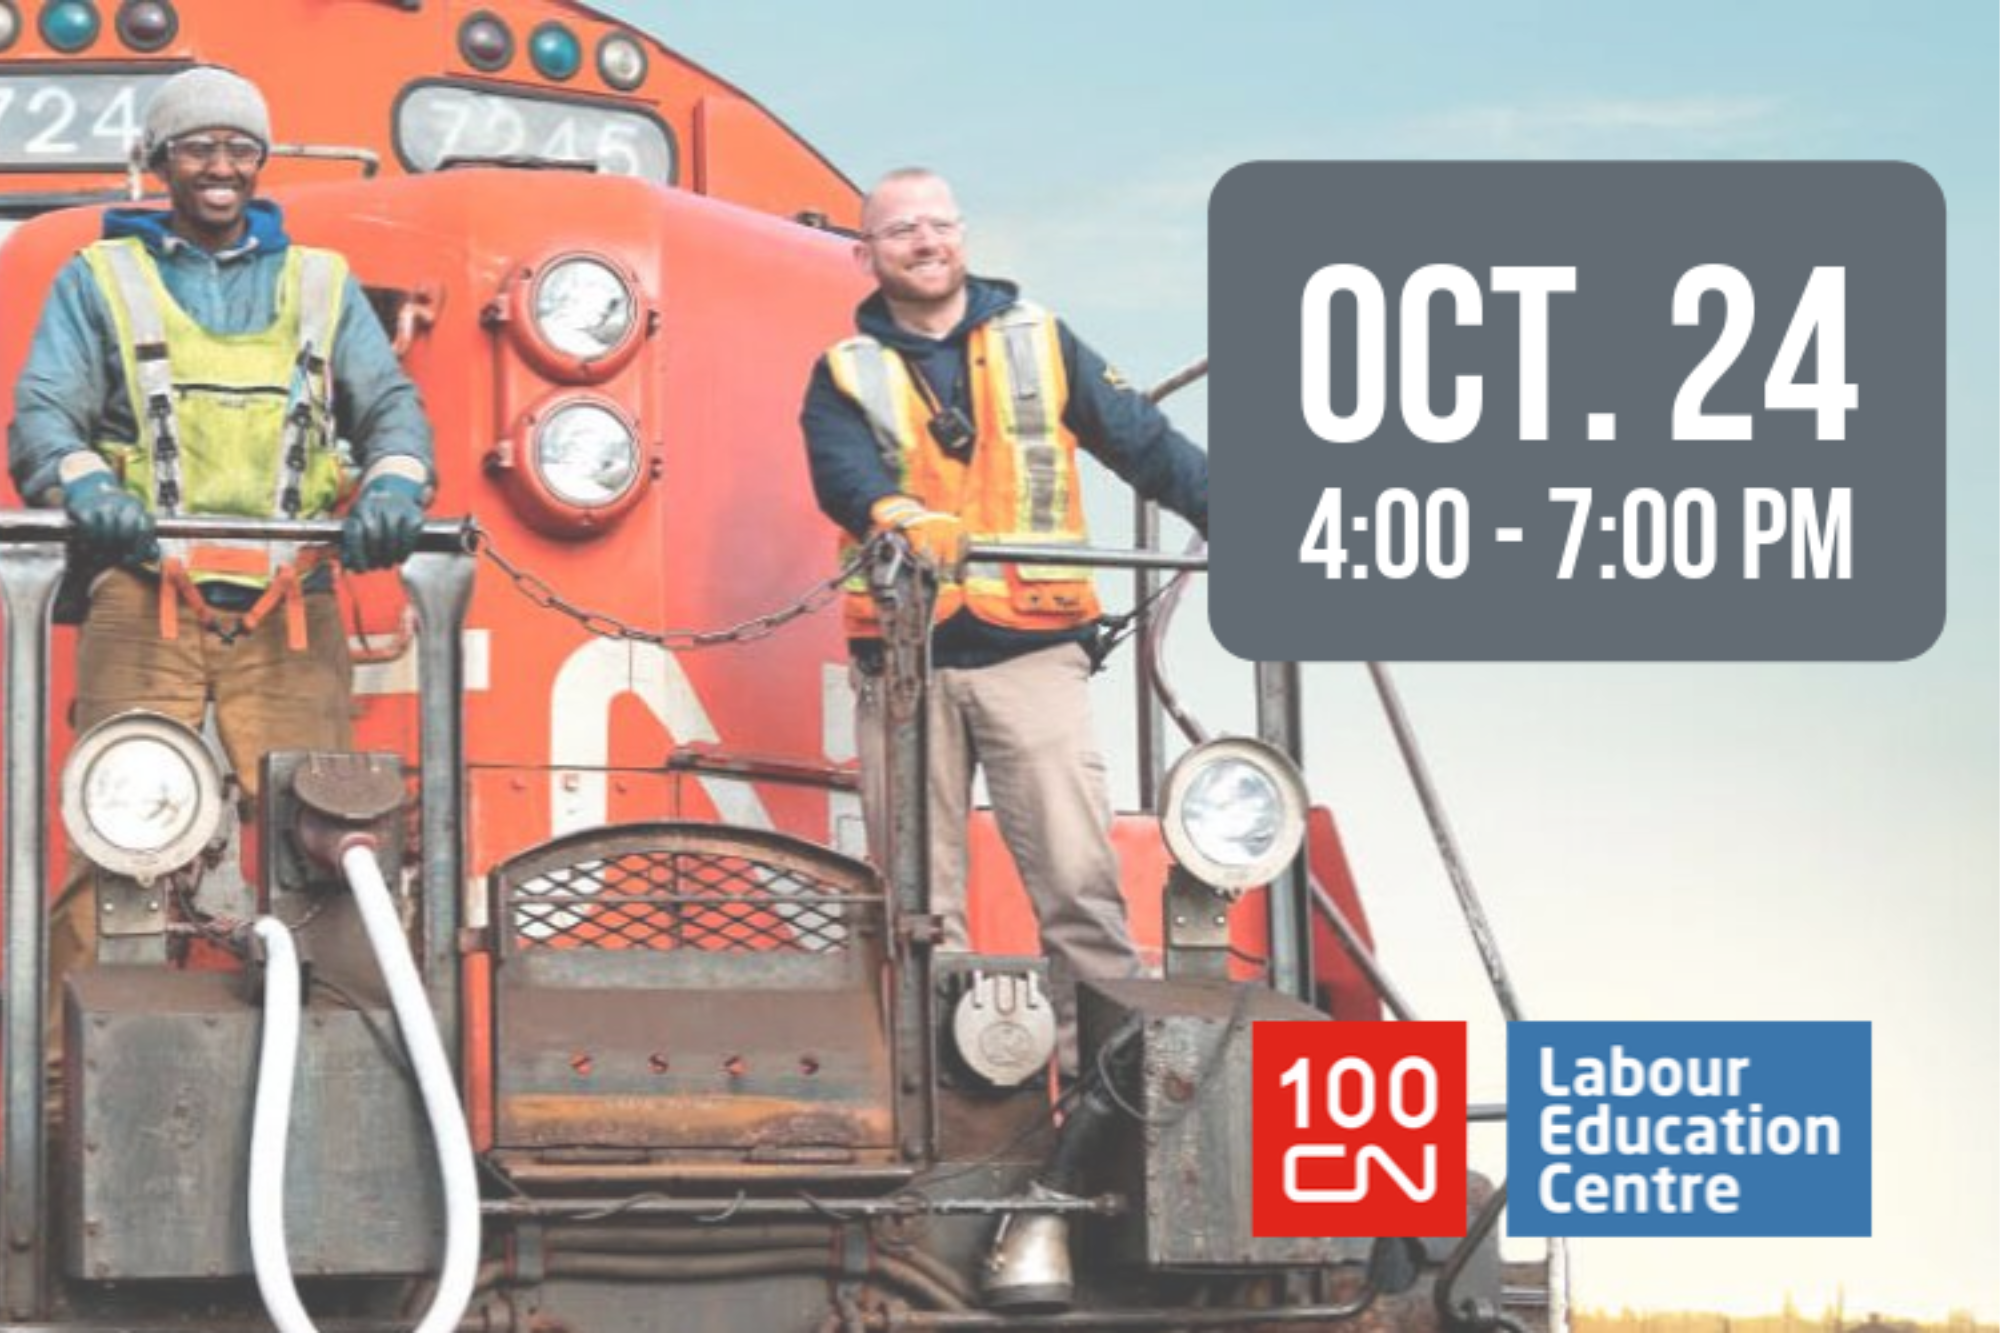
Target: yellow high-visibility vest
[(231, 425)]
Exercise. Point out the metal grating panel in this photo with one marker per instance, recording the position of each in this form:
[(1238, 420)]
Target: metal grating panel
[(710, 995), (661, 900)]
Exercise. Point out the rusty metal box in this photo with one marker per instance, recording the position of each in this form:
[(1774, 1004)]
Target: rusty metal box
[(160, 1078), (1186, 1170)]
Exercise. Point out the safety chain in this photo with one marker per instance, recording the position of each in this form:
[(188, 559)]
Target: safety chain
[(607, 626)]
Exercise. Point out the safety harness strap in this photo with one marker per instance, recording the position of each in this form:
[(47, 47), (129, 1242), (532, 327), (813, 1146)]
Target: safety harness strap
[(285, 590), (159, 430), (310, 412)]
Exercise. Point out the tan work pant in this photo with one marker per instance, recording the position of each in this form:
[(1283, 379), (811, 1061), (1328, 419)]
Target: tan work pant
[(1026, 721), (266, 696)]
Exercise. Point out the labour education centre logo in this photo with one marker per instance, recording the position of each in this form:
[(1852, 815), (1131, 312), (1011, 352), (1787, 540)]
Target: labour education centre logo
[(1689, 1129), (1358, 1129)]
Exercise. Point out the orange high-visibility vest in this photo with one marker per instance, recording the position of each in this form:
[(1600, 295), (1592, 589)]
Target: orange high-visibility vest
[(1019, 486)]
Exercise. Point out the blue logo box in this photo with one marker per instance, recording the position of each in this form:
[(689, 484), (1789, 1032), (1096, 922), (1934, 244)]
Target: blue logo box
[(1689, 1129)]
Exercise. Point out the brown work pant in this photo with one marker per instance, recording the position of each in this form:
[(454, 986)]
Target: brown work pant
[(266, 696), (1026, 721)]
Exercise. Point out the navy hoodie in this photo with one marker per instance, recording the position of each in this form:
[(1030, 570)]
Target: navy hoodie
[(1112, 421)]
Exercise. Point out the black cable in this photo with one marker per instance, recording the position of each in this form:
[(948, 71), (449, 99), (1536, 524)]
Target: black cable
[(1113, 630), (1210, 1067), (390, 1042), (1060, 1106)]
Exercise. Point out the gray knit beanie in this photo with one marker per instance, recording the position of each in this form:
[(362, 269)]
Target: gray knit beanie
[(205, 98)]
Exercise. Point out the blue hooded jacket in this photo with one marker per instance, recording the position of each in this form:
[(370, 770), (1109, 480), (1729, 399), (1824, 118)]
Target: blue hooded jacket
[(72, 392)]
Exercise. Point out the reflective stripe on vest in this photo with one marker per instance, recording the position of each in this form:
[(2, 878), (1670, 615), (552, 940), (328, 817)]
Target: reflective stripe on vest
[(1020, 485), (236, 425)]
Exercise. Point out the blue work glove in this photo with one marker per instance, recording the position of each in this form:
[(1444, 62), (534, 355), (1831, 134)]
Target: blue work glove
[(383, 526), (113, 527)]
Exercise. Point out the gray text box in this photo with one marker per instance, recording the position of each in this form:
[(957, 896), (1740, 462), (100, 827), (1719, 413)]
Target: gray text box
[(1633, 233)]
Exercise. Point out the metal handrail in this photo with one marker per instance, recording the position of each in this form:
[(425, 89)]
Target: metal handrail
[(1345, 931), (1082, 557), (440, 536), (439, 579), (1447, 845), (1156, 699)]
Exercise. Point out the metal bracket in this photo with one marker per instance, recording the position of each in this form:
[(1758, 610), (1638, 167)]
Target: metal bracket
[(531, 1254), (126, 907), (131, 920), (1197, 929), (923, 930), (848, 1290), (528, 1260)]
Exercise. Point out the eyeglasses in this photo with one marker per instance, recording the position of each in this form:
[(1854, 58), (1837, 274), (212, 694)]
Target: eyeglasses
[(202, 152), (906, 229)]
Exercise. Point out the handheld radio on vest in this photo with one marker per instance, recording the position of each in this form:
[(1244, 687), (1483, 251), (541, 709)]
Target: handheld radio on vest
[(952, 432)]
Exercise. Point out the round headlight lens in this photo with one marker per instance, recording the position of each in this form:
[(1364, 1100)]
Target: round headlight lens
[(141, 795), (1233, 813), (70, 25), (587, 455), (583, 308), (10, 25), (622, 62)]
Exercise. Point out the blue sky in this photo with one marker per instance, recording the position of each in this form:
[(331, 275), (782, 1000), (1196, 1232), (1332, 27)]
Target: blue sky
[(1653, 842)]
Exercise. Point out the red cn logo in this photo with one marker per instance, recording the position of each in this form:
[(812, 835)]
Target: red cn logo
[(1358, 1129)]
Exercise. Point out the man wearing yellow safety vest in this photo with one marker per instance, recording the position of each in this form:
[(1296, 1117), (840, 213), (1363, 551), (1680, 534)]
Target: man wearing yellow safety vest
[(956, 416), (195, 362)]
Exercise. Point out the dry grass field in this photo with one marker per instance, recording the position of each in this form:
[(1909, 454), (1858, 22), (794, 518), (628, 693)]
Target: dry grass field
[(1787, 1320)]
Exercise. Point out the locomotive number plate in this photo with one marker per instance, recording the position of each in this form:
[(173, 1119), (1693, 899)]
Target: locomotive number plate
[(438, 124), (58, 120)]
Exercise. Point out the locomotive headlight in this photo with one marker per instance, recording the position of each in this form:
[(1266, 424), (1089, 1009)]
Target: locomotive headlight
[(584, 309), (1234, 813), (573, 465), (141, 795), (10, 24), (577, 318), (587, 454)]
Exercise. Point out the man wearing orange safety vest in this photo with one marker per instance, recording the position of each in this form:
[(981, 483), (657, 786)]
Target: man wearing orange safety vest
[(956, 416), (195, 362)]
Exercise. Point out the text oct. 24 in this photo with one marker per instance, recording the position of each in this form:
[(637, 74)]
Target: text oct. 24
[(1820, 316)]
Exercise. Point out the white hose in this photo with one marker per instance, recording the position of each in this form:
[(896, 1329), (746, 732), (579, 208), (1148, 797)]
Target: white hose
[(271, 1121)]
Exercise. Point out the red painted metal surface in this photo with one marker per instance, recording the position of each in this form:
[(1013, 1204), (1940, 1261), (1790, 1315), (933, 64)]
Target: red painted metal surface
[(567, 730)]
